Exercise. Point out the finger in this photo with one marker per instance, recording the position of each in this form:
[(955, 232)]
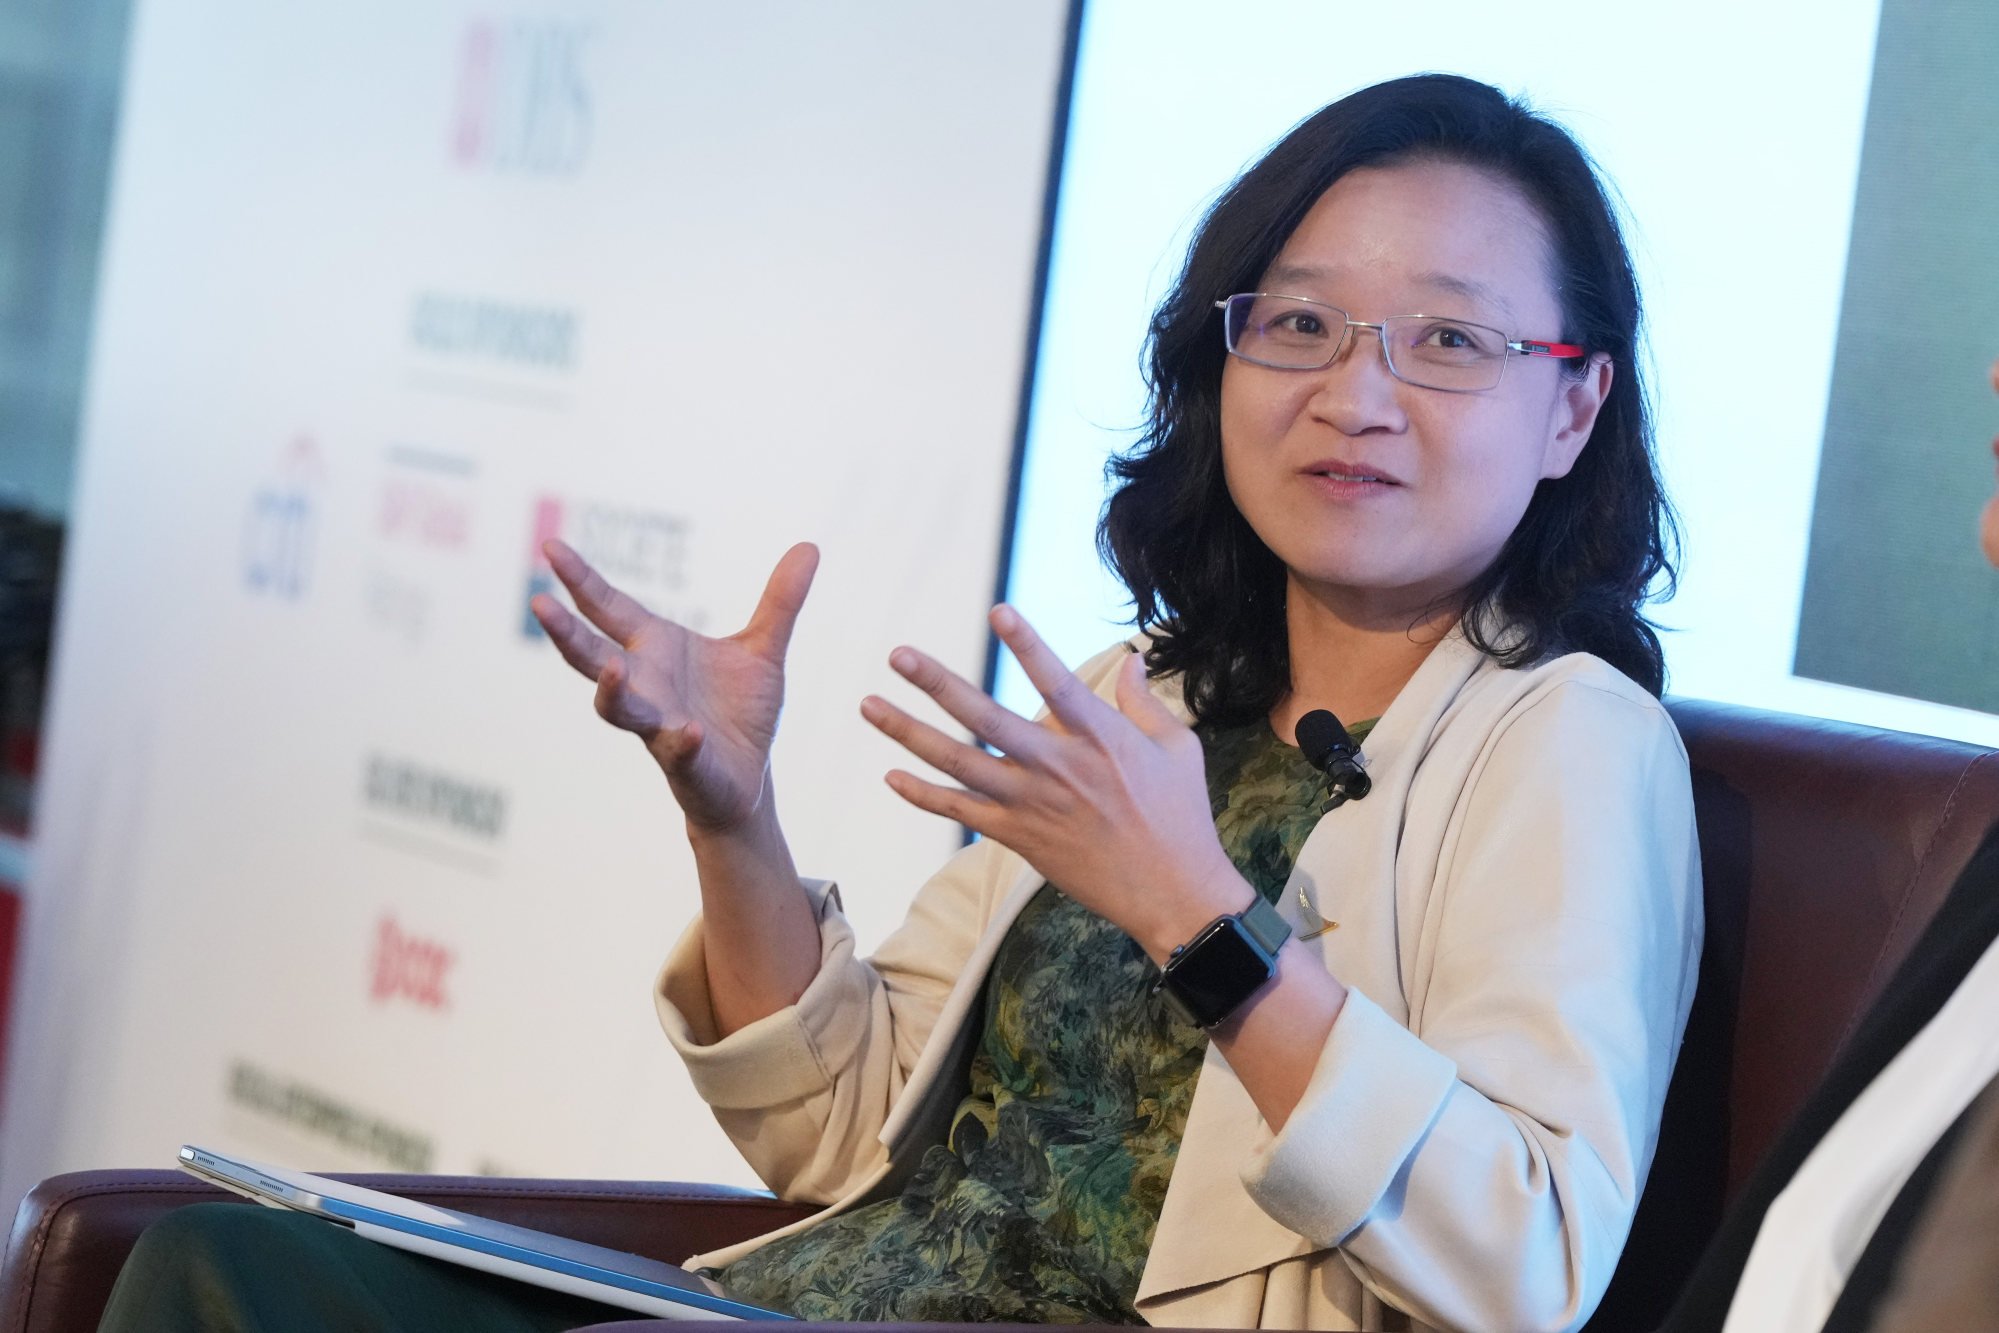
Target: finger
[(967, 764), (990, 724), (769, 630), (607, 608), (622, 707), (676, 747), (1072, 702), (1135, 699), (974, 812), (581, 647)]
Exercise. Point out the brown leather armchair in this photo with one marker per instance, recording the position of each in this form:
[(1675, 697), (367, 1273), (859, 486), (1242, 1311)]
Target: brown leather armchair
[(1826, 849)]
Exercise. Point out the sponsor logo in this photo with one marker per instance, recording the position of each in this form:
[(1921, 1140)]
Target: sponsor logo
[(408, 967), (423, 511), (323, 1116), (482, 329), (643, 551), (423, 516), (523, 105), (279, 531), (541, 579), (429, 797)]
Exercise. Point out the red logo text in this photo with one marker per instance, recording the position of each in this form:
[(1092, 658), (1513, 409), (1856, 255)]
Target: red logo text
[(409, 967)]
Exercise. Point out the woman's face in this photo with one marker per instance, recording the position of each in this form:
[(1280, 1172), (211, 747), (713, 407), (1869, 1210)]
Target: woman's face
[(1378, 494)]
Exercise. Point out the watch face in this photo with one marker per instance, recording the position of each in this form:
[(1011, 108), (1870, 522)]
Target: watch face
[(1220, 969)]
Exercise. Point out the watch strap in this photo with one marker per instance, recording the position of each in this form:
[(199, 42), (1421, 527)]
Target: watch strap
[(1265, 925)]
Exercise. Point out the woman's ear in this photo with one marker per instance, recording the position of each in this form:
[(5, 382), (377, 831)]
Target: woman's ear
[(1574, 418)]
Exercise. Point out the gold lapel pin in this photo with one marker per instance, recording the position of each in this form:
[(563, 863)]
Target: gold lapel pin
[(1309, 913)]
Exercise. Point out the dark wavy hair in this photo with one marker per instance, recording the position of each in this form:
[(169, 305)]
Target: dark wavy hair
[(1591, 548)]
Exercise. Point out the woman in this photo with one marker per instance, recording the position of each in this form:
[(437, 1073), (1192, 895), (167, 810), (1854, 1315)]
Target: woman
[(1445, 1106), (1424, 1090)]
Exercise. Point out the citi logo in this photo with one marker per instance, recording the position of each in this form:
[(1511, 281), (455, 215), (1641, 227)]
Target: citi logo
[(523, 104), (278, 532), (408, 967)]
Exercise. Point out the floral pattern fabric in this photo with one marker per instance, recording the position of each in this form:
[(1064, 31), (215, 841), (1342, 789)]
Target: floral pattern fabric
[(1041, 1205)]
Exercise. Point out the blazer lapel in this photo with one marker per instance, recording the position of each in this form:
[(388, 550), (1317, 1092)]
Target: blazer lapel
[(922, 1113), (937, 1080), (1210, 1229)]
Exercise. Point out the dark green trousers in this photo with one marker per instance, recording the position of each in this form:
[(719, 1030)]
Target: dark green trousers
[(233, 1268)]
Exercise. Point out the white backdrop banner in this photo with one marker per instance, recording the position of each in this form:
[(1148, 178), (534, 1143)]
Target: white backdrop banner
[(336, 865)]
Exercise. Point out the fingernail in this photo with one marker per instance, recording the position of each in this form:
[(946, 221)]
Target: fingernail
[(903, 660), (872, 708), (1005, 618)]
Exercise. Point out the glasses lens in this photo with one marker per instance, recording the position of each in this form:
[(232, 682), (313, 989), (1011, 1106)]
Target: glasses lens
[(1444, 353), (1283, 331)]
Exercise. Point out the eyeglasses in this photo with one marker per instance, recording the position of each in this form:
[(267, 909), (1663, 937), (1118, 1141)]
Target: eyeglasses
[(1430, 351)]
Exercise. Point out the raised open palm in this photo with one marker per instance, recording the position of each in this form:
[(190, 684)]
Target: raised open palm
[(706, 708)]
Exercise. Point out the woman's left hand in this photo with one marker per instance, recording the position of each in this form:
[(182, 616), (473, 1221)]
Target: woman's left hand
[(1110, 804)]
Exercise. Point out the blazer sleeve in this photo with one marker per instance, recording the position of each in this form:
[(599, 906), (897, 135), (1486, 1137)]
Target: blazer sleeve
[(805, 1092), (1480, 1167)]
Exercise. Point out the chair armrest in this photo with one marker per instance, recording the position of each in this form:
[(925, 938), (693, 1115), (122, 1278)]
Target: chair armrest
[(72, 1232)]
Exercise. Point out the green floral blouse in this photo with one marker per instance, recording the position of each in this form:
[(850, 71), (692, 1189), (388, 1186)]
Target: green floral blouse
[(1041, 1206)]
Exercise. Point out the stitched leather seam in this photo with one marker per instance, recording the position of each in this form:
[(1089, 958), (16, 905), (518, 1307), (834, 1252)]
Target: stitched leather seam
[(1908, 889), (37, 1245)]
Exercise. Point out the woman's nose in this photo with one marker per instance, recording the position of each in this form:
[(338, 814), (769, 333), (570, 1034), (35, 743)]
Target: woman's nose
[(1357, 392)]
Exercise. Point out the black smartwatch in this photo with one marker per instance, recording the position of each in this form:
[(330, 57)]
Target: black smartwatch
[(1214, 974)]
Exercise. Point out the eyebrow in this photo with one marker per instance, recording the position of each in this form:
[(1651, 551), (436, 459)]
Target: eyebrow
[(1469, 288)]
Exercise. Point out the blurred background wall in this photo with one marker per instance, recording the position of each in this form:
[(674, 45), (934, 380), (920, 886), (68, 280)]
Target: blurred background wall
[(331, 859)]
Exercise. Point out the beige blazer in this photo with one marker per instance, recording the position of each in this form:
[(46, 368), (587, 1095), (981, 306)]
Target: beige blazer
[(1519, 906)]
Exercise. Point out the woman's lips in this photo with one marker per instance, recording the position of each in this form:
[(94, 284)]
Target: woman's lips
[(1339, 479)]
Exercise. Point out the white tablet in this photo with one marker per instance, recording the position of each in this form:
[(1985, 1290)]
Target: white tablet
[(610, 1276)]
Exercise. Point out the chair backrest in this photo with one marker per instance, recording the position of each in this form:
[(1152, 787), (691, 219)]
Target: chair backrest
[(1826, 849)]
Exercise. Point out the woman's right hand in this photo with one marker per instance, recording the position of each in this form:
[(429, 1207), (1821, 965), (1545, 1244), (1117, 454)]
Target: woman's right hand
[(706, 708)]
